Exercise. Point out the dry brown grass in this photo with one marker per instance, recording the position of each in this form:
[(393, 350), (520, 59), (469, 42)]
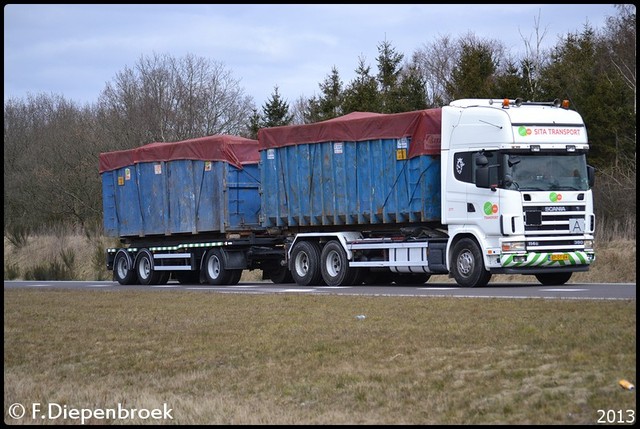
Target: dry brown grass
[(290, 359), (615, 259)]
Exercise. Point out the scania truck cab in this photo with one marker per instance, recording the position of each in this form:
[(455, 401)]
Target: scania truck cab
[(516, 190)]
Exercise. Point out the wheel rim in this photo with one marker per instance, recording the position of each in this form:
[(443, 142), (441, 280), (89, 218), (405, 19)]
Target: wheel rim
[(302, 264), (122, 268), (144, 268), (465, 263), (333, 263), (214, 267)]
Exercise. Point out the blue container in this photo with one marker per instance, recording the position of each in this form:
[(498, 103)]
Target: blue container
[(180, 196), (348, 183), (359, 169)]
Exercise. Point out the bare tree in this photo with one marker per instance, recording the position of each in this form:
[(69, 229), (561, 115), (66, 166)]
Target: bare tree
[(535, 59), (300, 110), (169, 99), (436, 61), (50, 162), (620, 38)]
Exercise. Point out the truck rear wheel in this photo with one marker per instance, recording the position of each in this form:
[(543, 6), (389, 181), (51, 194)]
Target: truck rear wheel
[(123, 271), (467, 264), (215, 270), (553, 279), (334, 265), (305, 258)]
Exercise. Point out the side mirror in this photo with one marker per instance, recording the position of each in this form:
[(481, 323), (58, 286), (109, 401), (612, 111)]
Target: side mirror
[(591, 175)]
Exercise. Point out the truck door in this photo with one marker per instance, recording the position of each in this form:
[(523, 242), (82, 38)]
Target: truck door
[(483, 196)]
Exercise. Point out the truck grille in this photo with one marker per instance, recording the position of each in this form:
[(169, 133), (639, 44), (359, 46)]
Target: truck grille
[(554, 228)]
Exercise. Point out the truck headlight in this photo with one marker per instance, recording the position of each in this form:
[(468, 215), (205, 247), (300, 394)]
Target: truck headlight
[(513, 246)]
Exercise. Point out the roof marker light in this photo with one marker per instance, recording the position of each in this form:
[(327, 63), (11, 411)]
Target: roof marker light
[(565, 104)]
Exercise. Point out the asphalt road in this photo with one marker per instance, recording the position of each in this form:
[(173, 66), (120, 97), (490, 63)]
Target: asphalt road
[(497, 290)]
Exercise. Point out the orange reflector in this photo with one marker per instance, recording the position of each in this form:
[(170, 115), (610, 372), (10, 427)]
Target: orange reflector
[(565, 104)]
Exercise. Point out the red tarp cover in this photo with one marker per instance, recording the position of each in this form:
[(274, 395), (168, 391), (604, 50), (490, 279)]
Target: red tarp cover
[(423, 126), (232, 149)]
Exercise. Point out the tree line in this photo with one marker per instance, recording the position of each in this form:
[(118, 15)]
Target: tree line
[(52, 145)]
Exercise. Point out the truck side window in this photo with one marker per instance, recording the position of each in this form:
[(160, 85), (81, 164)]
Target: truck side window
[(462, 167)]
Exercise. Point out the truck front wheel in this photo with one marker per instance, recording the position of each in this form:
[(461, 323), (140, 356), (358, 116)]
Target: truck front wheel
[(305, 259), (467, 264)]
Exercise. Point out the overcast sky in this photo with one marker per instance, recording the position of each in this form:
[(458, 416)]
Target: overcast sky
[(74, 50)]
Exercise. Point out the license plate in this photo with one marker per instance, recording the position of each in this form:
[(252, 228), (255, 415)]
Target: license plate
[(563, 257)]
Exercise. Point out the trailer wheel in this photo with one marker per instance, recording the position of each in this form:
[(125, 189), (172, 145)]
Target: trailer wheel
[(335, 265), (144, 268), (467, 264), (214, 268), (123, 271), (553, 279), (305, 259)]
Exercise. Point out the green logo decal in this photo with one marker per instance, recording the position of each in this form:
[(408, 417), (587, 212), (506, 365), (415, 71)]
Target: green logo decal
[(522, 131), (490, 208), (554, 197)]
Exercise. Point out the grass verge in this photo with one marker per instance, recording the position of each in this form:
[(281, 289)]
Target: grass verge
[(215, 358)]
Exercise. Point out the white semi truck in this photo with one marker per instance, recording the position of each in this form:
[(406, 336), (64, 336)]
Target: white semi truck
[(475, 188), (515, 198)]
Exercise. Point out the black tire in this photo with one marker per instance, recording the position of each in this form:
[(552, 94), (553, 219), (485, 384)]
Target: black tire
[(305, 263), (411, 279), (214, 268), (553, 279), (187, 277), (334, 265), (123, 271), (467, 265), (144, 269)]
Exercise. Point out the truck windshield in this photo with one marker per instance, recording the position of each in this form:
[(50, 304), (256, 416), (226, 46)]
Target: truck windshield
[(545, 172)]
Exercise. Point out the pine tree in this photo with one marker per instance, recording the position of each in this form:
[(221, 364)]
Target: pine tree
[(275, 111), (388, 75), (362, 93)]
